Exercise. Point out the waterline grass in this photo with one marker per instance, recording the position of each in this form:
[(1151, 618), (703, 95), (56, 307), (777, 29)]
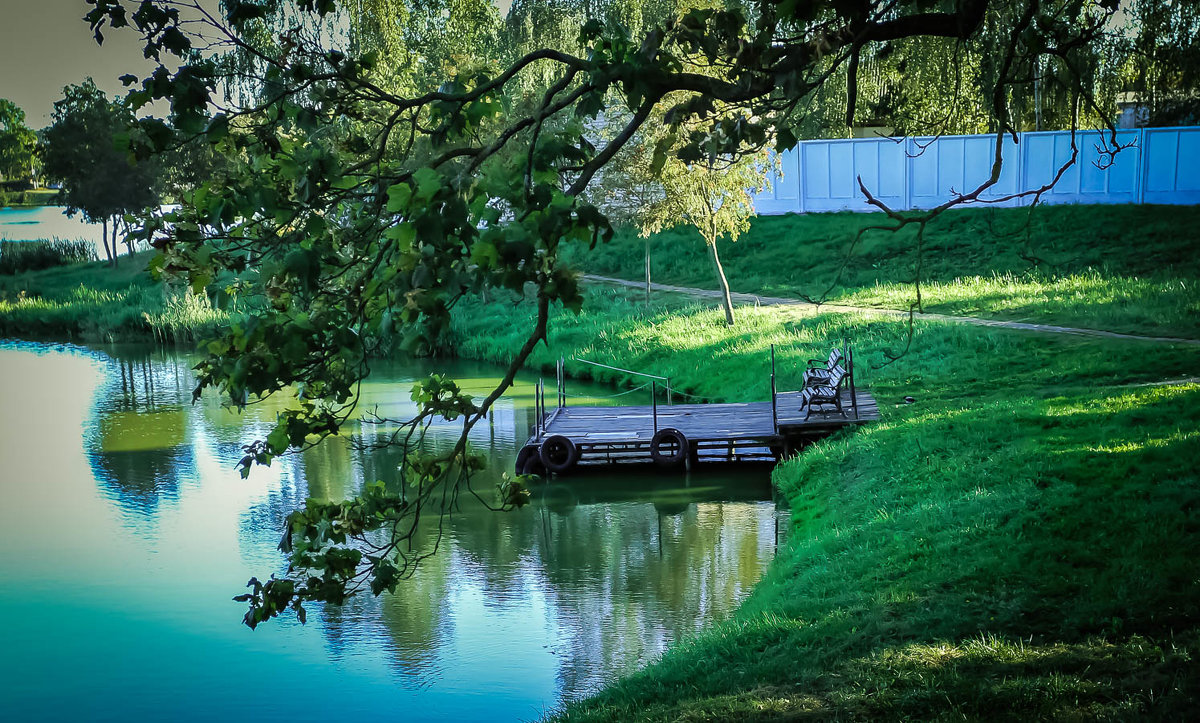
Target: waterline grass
[(95, 302), (1015, 543)]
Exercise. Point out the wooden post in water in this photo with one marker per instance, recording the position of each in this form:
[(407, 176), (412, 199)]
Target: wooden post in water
[(537, 404)]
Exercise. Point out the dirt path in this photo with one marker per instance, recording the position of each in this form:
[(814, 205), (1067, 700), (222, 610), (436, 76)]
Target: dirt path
[(782, 301)]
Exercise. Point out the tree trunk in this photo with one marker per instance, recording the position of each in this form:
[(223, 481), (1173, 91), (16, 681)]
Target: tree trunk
[(104, 240), (115, 251), (725, 300), (128, 243)]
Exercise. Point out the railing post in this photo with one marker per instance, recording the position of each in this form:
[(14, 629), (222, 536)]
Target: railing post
[(850, 370), (774, 408), (654, 403), (669, 400)]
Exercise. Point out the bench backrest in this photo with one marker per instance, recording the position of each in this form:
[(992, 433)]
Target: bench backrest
[(835, 356)]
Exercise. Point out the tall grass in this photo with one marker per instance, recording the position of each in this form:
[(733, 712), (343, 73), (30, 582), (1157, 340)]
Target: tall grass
[(19, 256)]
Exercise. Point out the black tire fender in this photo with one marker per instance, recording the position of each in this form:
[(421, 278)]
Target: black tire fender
[(661, 447), (527, 453), (558, 453)]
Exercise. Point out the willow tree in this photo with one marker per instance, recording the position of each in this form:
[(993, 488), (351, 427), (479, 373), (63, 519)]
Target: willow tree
[(361, 211)]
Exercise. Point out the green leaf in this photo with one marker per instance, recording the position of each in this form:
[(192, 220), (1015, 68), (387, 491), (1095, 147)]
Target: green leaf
[(661, 149), (278, 439), (404, 234), (429, 182), (785, 139), (399, 196)]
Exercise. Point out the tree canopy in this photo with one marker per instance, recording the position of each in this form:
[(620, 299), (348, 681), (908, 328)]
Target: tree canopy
[(17, 143), (363, 200), (81, 149)]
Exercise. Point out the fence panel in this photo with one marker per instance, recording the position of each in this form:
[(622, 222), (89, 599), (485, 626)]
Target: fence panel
[(1161, 165)]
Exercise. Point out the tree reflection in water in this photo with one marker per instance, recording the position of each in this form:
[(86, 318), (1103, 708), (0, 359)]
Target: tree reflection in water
[(607, 568)]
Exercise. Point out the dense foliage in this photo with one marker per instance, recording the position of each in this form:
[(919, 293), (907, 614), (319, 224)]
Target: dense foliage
[(359, 208)]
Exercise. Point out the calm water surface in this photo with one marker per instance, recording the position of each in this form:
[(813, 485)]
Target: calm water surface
[(126, 530), (45, 222)]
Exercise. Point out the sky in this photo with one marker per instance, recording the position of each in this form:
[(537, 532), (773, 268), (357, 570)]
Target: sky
[(45, 45)]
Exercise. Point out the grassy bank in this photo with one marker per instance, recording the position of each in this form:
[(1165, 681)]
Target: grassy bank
[(95, 302), (1015, 544), (1122, 268), (31, 197)]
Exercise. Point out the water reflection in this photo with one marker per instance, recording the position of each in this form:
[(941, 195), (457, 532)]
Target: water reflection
[(517, 611)]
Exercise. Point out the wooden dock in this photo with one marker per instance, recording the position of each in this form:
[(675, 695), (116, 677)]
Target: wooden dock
[(681, 435)]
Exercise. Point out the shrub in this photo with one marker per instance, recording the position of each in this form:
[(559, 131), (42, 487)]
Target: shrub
[(18, 256)]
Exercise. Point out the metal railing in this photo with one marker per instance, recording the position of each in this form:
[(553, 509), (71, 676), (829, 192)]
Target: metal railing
[(665, 380)]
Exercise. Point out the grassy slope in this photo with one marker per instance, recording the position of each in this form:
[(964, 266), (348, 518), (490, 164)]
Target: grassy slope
[(1123, 268), (94, 302), (1017, 543)]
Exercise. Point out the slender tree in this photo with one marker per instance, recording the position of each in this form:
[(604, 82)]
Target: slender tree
[(716, 198)]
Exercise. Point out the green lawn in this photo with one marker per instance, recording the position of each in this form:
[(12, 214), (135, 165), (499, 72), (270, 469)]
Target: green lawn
[(1122, 268), (1018, 543)]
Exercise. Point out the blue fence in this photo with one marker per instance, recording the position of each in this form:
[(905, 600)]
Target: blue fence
[(1162, 166)]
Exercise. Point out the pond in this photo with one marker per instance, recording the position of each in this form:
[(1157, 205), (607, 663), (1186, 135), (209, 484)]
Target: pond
[(127, 530), (31, 223)]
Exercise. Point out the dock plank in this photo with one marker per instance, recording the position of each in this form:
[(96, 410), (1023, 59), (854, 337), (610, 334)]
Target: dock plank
[(733, 422)]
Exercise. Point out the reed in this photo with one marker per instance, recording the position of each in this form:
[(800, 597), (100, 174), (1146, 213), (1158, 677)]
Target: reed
[(19, 256)]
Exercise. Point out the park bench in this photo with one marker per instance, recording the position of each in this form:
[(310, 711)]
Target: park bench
[(820, 370), (828, 391), (823, 381)]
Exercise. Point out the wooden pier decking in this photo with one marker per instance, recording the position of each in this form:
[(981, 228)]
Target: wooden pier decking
[(712, 432)]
